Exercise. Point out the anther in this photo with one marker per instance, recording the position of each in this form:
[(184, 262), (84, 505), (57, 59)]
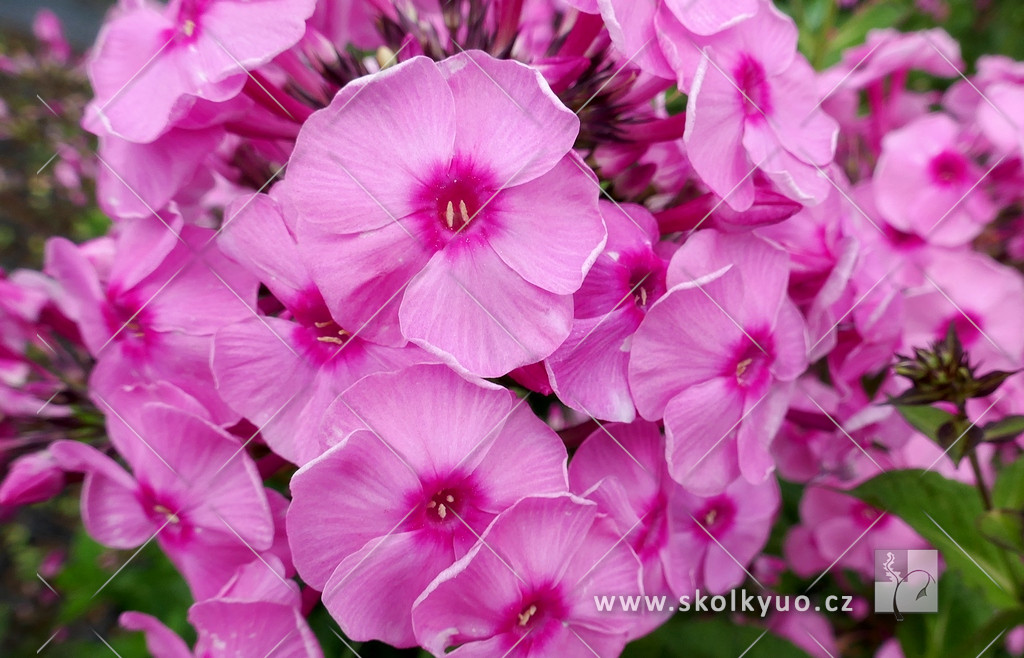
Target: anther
[(449, 214), (463, 211), (189, 28), (524, 617)]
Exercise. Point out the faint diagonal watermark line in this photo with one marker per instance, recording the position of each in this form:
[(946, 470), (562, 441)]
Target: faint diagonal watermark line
[(848, 549), (966, 554), (845, 433), (726, 551)]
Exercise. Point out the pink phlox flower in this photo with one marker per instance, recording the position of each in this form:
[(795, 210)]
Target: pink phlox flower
[(716, 357), (528, 587), (281, 372), (422, 461), (255, 614), (152, 63), (588, 372), (418, 196)]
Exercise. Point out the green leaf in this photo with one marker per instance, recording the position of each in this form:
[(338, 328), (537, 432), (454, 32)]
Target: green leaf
[(926, 420), (1008, 491), (962, 614), (1003, 430), (714, 638), (944, 512), (1004, 528)]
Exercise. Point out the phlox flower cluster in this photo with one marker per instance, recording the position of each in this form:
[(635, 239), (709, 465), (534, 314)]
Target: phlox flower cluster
[(451, 317)]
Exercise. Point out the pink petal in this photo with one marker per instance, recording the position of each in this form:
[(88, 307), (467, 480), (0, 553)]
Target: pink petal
[(332, 497), (752, 291), (261, 375), (223, 483), (526, 130), (537, 452), (236, 629), (364, 295), (699, 424), (255, 235), (110, 506), (561, 205), (714, 136), (251, 33), (589, 371), (683, 341), (410, 410), (371, 182), (372, 591), (472, 308), (161, 641), (710, 16), (631, 26)]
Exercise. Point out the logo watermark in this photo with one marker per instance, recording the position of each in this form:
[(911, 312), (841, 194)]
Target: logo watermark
[(906, 581)]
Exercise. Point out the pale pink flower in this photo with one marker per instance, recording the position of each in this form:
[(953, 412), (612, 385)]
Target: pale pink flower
[(528, 587), (926, 183), (166, 293), (588, 372), (715, 357), (753, 105), (282, 372), (423, 461), (419, 196), (152, 63), (190, 488)]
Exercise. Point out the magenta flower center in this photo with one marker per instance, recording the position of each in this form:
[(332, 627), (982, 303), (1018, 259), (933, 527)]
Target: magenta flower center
[(444, 505), (641, 283), (457, 202), (753, 83), (866, 514), (328, 331), (162, 511), (753, 363), (189, 12), (949, 168), (537, 609), (717, 515)]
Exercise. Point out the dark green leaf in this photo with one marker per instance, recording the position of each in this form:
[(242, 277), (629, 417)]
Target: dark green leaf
[(926, 420), (1008, 491), (1004, 528), (945, 512), (987, 384), (1003, 430)]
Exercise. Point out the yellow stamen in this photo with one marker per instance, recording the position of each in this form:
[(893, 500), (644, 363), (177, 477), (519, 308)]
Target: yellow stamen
[(742, 366), (464, 212), (524, 617), (189, 28), (449, 215)]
